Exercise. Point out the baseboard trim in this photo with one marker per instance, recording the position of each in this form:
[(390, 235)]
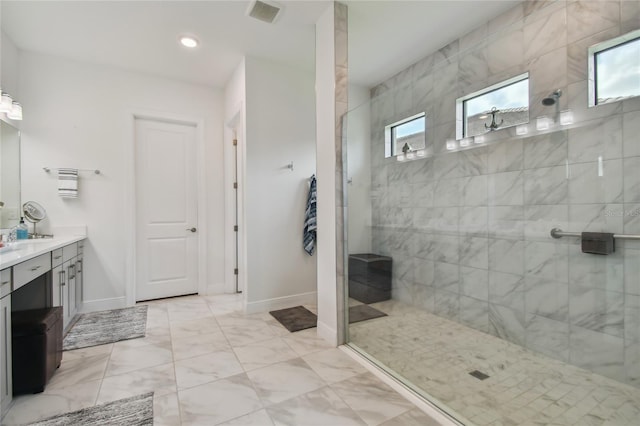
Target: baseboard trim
[(281, 302), (103, 304), (219, 288), (328, 333), (427, 407)]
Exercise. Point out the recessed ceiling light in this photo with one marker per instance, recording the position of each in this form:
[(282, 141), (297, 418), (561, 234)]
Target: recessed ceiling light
[(189, 41)]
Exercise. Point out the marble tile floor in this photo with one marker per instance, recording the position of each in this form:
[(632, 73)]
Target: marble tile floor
[(523, 388), (210, 364)]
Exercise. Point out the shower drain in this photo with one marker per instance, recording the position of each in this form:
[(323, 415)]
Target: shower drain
[(479, 375)]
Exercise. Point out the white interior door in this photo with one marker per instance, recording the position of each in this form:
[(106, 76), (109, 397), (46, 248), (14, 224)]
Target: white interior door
[(166, 210)]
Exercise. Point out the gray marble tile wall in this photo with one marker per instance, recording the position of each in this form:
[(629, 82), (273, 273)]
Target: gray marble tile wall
[(468, 230)]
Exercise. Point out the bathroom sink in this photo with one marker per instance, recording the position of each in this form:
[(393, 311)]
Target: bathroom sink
[(8, 247), (24, 244)]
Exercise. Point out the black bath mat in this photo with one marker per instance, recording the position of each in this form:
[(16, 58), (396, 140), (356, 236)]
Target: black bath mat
[(363, 312), (296, 318)]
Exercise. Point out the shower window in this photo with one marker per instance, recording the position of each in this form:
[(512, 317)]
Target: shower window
[(614, 69), (409, 132), (496, 107)]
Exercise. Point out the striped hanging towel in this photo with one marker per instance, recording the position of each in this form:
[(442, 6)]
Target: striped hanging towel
[(68, 183), (310, 224)]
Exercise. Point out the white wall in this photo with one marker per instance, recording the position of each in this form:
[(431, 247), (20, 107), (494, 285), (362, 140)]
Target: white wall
[(78, 115), (326, 164), (280, 128), (359, 170)]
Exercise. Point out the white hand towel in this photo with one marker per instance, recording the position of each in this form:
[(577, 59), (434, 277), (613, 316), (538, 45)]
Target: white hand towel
[(68, 183)]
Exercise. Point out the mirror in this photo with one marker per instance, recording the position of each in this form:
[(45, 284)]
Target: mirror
[(10, 206)]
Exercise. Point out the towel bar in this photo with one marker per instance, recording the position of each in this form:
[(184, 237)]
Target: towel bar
[(96, 171), (559, 233)]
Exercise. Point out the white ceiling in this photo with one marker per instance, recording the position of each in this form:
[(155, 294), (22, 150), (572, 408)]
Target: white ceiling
[(384, 36)]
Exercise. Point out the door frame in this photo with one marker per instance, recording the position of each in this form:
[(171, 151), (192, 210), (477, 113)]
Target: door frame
[(129, 192), (236, 125)]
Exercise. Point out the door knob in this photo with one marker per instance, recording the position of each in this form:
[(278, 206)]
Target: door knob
[(192, 229)]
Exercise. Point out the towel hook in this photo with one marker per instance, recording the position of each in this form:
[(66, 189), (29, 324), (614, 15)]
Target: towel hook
[(290, 166)]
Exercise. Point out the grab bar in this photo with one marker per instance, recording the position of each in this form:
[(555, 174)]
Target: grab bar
[(559, 233)]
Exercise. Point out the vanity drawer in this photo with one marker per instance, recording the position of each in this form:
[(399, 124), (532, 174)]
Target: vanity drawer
[(56, 257), (80, 247), (31, 269), (69, 252), (5, 282)]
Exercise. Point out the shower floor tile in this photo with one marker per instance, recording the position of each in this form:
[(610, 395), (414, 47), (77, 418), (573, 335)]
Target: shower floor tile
[(523, 388)]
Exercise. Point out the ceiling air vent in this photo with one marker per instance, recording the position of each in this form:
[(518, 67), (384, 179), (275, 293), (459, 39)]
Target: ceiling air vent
[(263, 11)]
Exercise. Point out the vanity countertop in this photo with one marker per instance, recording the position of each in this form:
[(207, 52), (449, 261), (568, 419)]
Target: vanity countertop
[(20, 251)]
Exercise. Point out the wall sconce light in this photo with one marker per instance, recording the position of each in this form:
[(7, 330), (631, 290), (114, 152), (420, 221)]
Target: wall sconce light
[(451, 145), (6, 101), (522, 129), (16, 111), (566, 117), (10, 107), (543, 123)]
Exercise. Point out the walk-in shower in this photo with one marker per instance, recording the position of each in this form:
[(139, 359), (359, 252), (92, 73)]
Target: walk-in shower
[(490, 317)]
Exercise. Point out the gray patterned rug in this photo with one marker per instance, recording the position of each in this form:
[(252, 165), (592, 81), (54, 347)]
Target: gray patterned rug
[(99, 328), (133, 411)]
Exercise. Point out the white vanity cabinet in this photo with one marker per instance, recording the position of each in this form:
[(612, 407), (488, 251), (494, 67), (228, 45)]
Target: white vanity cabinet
[(57, 282), (5, 340), (52, 270), (79, 276), (65, 281)]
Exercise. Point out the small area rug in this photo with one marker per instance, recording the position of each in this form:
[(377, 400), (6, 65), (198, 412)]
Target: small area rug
[(99, 328), (133, 411), (300, 318), (363, 312)]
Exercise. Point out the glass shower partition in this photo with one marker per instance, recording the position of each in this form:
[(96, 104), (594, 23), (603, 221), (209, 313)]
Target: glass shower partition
[(489, 316)]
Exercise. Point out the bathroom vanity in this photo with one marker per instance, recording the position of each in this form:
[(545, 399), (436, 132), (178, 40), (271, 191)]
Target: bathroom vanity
[(36, 274)]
